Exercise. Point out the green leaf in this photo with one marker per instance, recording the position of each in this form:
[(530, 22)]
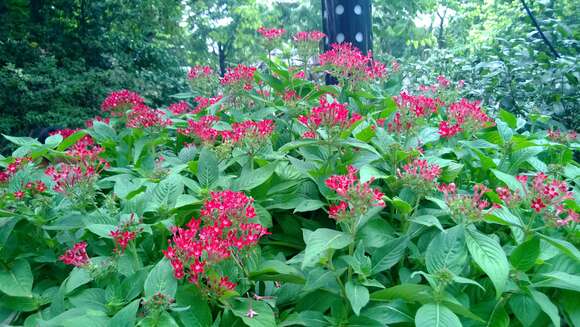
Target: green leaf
[(102, 131), (277, 271), (207, 168), (367, 172), (387, 256), (357, 295), (264, 316), (78, 277), (504, 130), (161, 280), (565, 247), (320, 241), (509, 118), (309, 205), (427, 220), (436, 315), (388, 313), (524, 255), (447, 251), (524, 308), (199, 312), (126, 317), (22, 141), (102, 230), (547, 306), (489, 255), (407, 292), (17, 280), (401, 205), (559, 279), (72, 139), (254, 178)]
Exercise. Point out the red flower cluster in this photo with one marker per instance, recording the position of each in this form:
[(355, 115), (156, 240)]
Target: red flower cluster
[(141, 116), (465, 206), (247, 131), (223, 231), (411, 108), (464, 116), (125, 233), (31, 189), (203, 103), (312, 36), (271, 33), (346, 62), (84, 150), (240, 77), (562, 137), (545, 196), (199, 72), (12, 168), (203, 129), (179, 108), (358, 197), (329, 115), (77, 256), (420, 169), (120, 101), (290, 96), (67, 176)]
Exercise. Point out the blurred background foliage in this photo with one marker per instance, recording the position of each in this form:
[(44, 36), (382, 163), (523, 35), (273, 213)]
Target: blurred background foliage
[(59, 58)]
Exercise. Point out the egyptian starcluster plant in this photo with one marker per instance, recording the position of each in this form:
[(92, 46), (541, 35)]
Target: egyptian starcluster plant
[(265, 197)]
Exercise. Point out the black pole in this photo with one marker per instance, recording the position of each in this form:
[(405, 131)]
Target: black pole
[(347, 21), (535, 22)]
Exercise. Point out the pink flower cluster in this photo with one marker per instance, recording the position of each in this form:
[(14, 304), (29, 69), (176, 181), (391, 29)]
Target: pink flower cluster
[(223, 231), (465, 207), (464, 116), (203, 103), (546, 196), (562, 137), (67, 176), (357, 197), (12, 168), (410, 108), (329, 115), (124, 234), (312, 36), (30, 189), (196, 72), (120, 101), (346, 62), (239, 77), (141, 116), (252, 131), (271, 33), (420, 169), (77, 256), (84, 150), (179, 108)]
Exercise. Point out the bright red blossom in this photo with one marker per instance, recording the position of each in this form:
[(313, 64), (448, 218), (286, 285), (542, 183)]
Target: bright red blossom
[(179, 108), (120, 101), (77, 256), (199, 72), (223, 230), (271, 33), (329, 115), (141, 116)]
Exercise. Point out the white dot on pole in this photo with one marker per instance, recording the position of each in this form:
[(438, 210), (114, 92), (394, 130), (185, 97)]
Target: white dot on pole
[(358, 9), (339, 37), (358, 37), (339, 9)]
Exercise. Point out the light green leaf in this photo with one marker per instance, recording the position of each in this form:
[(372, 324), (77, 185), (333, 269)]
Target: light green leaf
[(320, 241), (511, 182), (207, 168), (387, 256), (559, 279), (263, 317), (17, 280), (489, 255), (427, 220), (547, 306), (254, 178), (357, 295), (447, 251), (161, 280), (524, 255), (436, 315), (126, 317)]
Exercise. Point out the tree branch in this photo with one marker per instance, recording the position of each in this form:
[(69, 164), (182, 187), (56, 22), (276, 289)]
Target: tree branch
[(535, 22)]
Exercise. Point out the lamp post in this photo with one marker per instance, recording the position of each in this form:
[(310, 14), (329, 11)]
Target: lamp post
[(347, 21)]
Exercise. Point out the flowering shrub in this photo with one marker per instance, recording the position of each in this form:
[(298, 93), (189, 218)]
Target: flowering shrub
[(267, 198)]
